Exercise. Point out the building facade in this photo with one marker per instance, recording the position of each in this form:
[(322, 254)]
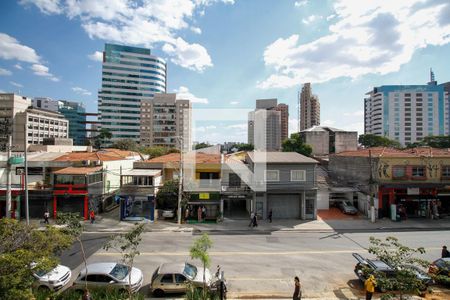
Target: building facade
[(309, 108), (10, 105), (164, 119), (325, 140), (407, 113), (40, 124), (45, 103), (75, 113), (129, 76), (270, 118)]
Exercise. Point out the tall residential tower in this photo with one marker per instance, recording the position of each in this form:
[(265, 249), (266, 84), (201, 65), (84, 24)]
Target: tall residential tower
[(309, 108), (129, 76)]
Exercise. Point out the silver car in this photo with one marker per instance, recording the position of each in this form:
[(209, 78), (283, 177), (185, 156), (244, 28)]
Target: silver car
[(174, 277), (111, 275), (53, 280)]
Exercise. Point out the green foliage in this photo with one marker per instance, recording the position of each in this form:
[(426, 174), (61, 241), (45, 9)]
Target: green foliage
[(202, 145), (22, 246), (244, 147), (96, 293), (399, 257), (371, 140), (125, 144), (103, 135), (200, 251), (195, 293), (436, 141), (153, 152), (442, 279), (167, 196), (295, 144), (127, 244)]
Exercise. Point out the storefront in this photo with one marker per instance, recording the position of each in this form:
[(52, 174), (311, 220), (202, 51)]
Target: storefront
[(16, 198), (209, 203)]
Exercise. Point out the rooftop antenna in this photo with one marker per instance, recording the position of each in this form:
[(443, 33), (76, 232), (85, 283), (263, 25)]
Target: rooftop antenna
[(432, 78)]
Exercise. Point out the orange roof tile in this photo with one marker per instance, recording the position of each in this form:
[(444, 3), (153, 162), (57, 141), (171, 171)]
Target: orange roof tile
[(392, 152), (103, 155), (78, 171), (200, 158)]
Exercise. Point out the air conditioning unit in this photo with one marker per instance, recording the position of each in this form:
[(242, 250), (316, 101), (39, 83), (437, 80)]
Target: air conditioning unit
[(86, 163), (98, 163)]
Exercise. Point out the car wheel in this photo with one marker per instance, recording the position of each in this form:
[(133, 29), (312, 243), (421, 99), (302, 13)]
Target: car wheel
[(158, 293)]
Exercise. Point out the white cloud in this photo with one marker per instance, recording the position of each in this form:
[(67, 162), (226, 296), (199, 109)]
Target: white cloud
[(41, 70), (143, 23), (4, 72), (191, 56), (18, 66), (16, 84), (196, 30), (96, 56), (300, 3), (10, 48), (293, 125), (234, 102), (327, 123), (241, 126), (184, 93), (330, 17), (375, 37), (311, 19), (81, 91)]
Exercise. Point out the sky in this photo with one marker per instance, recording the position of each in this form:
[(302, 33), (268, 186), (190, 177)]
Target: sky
[(225, 54)]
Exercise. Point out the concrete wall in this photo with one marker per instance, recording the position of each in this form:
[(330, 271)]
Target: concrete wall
[(318, 140), (350, 170), (323, 198), (346, 141), (285, 177)]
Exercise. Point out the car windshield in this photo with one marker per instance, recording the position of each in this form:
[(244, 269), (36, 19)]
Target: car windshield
[(190, 271), (346, 203), (442, 264), (119, 271), (40, 273)]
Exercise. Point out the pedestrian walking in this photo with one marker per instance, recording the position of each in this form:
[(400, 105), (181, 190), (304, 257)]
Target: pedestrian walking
[(297, 289), (270, 216), (434, 210), (255, 220), (199, 214), (92, 216), (203, 212), (445, 252), (369, 286), (252, 215), (46, 216), (186, 214)]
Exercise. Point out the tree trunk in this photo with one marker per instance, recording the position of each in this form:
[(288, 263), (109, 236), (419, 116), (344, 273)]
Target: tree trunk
[(204, 282)]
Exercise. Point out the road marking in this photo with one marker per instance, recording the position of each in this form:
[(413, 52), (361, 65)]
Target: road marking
[(252, 253)]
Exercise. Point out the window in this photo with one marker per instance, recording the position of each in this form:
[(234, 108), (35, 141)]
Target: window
[(180, 278), (298, 175), (167, 278), (418, 172), (445, 171), (398, 172), (272, 175)]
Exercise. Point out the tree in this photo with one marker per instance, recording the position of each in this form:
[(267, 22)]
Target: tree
[(244, 147), (202, 145), (436, 141), (200, 251), (372, 140), (295, 144), (24, 250), (127, 245), (125, 144), (400, 258), (103, 135), (157, 151)]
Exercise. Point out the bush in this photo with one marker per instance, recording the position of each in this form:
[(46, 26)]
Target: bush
[(442, 280), (97, 294)]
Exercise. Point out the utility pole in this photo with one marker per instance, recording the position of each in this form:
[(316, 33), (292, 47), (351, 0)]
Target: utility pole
[(25, 164), (180, 180), (8, 178), (372, 201)]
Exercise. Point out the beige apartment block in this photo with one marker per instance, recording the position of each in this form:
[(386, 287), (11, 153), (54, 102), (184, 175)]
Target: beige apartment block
[(10, 105), (309, 108), (164, 119)]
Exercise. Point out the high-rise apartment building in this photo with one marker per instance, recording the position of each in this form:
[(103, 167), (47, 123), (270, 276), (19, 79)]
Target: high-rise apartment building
[(407, 113), (72, 111), (271, 118), (129, 75), (164, 119), (309, 108)]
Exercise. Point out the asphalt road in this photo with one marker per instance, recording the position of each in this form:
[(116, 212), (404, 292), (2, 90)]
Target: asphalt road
[(265, 263)]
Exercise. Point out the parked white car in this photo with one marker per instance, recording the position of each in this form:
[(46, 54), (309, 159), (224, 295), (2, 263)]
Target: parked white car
[(111, 275), (55, 279)]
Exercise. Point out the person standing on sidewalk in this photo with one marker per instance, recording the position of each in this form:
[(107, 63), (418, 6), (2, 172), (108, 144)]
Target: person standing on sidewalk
[(255, 220), (297, 289), (46, 216), (369, 286), (270, 216), (445, 252), (92, 216), (252, 215)]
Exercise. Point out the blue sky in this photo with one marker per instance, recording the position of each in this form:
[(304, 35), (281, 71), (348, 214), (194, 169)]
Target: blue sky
[(226, 54)]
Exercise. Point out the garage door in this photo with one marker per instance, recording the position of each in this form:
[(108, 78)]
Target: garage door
[(284, 206)]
